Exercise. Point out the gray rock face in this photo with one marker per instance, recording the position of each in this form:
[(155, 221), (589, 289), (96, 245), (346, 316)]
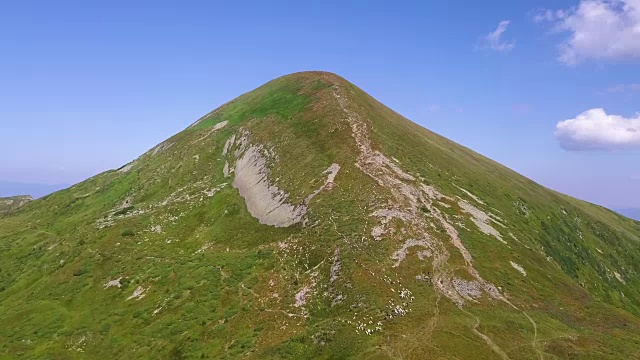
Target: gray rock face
[(265, 201)]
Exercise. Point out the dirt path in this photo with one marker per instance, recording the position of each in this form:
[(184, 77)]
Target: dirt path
[(486, 339), (534, 342), (424, 334)]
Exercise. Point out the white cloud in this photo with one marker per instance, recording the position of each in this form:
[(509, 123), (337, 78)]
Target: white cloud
[(543, 15), (494, 41), (549, 15), (598, 30), (620, 88), (596, 130), (433, 107)]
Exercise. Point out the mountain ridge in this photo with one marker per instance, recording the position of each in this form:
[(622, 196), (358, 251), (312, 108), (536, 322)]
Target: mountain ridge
[(14, 188), (633, 213), (11, 203), (306, 219)]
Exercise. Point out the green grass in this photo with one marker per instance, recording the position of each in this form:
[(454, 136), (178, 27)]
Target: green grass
[(220, 285)]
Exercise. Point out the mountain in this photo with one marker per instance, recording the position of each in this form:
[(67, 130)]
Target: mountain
[(12, 203), (633, 213), (12, 188), (305, 219)]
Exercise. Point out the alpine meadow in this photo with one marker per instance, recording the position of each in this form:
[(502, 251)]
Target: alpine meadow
[(305, 219)]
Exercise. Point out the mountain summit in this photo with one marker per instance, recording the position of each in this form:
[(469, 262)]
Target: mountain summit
[(305, 219)]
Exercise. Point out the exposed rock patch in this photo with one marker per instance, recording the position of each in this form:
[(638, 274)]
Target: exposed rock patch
[(213, 129), (467, 289), (401, 253), (301, 297), (475, 198), (265, 201), (138, 293), (197, 122), (113, 283), (386, 217), (331, 172), (521, 208), (225, 170), (219, 125), (482, 220), (160, 147), (127, 167), (519, 268), (228, 144), (204, 248)]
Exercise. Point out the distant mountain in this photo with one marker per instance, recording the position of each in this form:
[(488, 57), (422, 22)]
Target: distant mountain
[(305, 220), (633, 213), (8, 204), (11, 188)]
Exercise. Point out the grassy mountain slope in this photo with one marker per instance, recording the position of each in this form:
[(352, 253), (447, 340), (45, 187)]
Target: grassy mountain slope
[(305, 219)]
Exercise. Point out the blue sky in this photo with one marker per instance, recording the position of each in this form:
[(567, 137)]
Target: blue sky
[(88, 87)]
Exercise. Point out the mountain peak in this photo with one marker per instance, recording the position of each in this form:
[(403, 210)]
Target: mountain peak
[(315, 75), (305, 219)]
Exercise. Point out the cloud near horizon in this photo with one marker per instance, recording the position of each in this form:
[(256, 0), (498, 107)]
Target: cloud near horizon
[(494, 41), (596, 130), (598, 30), (620, 88)]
